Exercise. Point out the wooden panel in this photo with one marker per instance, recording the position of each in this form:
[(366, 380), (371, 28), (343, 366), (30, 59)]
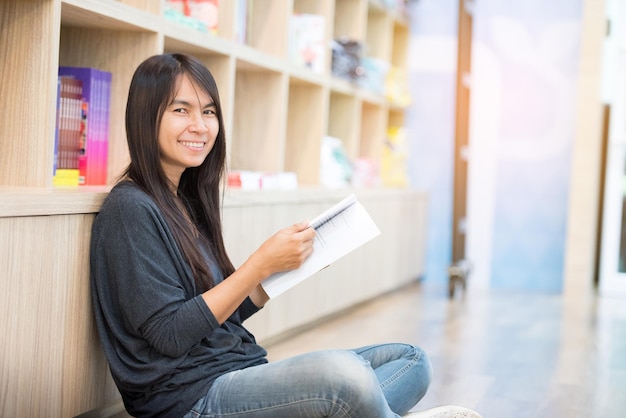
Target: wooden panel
[(28, 86), (268, 26), (350, 19), (259, 122), (373, 131), (585, 180), (379, 35), (317, 7), (227, 14), (31, 201), (344, 118), (147, 5), (85, 369), (306, 121), (461, 140), (50, 356), (396, 118), (400, 47), (111, 15)]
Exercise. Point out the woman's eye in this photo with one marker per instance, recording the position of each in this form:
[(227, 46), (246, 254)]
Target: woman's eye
[(179, 110), (209, 112)]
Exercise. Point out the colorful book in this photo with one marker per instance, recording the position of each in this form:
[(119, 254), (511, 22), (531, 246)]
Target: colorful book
[(66, 177), (96, 95), (69, 126)]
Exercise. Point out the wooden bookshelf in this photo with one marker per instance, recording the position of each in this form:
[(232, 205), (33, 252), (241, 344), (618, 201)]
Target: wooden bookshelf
[(266, 99), (276, 115)]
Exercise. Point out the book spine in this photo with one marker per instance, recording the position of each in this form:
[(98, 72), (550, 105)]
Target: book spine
[(329, 214), (83, 75), (103, 139), (94, 144), (56, 129)]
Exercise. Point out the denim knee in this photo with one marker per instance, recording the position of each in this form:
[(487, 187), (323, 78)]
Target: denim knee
[(351, 381), (422, 362), (347, 367)]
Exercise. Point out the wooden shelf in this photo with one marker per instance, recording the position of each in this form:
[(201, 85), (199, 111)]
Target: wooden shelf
[(276, 115), (44, 201), (111, 15)]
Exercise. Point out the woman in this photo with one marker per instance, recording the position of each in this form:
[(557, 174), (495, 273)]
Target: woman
[(169, 304)]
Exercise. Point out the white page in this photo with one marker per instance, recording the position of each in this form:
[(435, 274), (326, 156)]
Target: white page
[(340, 230)]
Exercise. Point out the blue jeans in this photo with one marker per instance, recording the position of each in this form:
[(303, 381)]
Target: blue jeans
[(377, 381)]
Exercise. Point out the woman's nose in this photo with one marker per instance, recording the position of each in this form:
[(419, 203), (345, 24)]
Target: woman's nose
[(197, 123)]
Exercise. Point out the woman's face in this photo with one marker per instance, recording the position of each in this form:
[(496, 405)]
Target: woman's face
[(188, 129)]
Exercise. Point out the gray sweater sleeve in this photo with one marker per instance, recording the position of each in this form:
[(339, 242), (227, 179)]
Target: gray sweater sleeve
[(148, 283)]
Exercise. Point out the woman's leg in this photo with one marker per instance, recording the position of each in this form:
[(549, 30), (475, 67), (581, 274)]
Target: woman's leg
[(404, 373), (337, 383)]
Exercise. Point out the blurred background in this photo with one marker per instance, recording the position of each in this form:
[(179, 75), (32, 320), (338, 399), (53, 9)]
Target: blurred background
[(543, 158)]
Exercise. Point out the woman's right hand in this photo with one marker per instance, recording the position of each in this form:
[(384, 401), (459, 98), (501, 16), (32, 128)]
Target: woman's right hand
[(286, 250)]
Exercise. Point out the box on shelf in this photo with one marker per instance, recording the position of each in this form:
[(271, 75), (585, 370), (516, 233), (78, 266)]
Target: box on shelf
[(374, 75), (256, 180), (335, 166), (306, 41), (366, 173), (393, 170), (346, 59)]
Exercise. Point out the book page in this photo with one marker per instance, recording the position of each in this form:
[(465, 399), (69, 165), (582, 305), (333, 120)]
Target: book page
[(339, 230)]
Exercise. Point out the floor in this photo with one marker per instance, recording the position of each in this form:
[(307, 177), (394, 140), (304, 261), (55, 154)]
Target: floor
[(506, 355)]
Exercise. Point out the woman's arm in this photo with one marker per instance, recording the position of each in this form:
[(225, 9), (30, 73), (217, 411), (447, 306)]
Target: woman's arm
[(285, 250)]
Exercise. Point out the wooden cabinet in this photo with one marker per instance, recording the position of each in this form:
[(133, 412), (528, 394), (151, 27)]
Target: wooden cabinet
[(276, 115)]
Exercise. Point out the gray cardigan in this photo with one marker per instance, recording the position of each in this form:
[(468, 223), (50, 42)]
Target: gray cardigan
[(162, 342)]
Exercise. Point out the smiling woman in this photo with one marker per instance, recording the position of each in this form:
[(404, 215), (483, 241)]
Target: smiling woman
[(169, 304)]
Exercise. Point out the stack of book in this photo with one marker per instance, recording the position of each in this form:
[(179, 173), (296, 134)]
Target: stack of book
[(69, 131), (82, 126)]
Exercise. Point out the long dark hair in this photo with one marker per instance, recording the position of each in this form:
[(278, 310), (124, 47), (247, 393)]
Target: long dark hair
[(152, 89)]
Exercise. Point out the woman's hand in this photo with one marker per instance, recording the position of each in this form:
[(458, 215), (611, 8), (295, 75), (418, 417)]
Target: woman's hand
[(286, 250)]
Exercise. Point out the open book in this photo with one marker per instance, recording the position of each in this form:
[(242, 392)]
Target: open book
[(339, 230)]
